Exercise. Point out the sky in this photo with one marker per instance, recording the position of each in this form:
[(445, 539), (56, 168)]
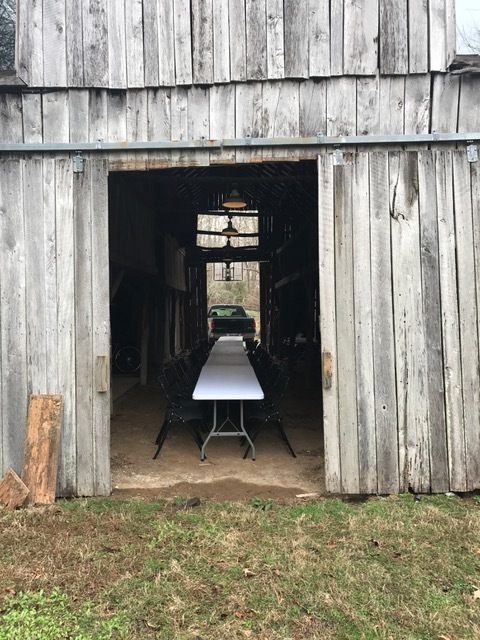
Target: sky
[(468, 13)]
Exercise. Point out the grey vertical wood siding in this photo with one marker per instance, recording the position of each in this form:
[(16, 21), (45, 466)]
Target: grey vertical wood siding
[(333, 106), (54, 311), (151, 43), (423, 411)]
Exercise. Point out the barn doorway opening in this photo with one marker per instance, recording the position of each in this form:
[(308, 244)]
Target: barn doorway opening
[(162, 277)]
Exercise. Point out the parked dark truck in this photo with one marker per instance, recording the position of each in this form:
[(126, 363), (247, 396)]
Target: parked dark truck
[(230, 320)]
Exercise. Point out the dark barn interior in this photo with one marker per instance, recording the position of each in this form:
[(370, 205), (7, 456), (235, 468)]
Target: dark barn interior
[(158, 279)]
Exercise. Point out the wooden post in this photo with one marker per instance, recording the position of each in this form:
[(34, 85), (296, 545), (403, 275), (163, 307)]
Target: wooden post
[(41, 448)]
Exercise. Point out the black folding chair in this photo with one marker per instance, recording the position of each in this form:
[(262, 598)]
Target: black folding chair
[(267, 410), (180, 409)]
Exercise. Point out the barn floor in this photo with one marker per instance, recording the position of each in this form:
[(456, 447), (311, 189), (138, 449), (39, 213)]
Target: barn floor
[(224, 475)]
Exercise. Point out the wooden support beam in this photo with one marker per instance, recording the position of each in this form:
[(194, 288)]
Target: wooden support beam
[(13, 492), (41, 447)]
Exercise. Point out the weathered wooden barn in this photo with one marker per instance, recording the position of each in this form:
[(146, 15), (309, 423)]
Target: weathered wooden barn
[(348, 124)]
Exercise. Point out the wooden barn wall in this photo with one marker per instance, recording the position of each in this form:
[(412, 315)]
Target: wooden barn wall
[(54, 317), (399, 264), (335, 106), (120, 44)]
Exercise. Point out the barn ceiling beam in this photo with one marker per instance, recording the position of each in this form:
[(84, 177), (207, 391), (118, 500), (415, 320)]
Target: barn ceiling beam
[(318, 140)]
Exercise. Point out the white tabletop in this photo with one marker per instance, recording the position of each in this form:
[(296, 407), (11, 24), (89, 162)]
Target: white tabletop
[(228, 374)]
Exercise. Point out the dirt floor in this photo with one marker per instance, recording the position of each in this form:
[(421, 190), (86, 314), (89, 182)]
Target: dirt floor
[(224, 475)]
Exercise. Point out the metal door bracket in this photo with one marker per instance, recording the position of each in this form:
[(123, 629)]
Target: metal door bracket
[(337, 157), (472, 152), (78, 163)]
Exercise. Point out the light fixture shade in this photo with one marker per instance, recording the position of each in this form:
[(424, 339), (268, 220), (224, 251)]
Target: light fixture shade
[(234, 200), (230, 230), (227, 258)]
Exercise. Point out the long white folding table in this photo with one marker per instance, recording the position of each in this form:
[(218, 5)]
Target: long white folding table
[(228, 375)]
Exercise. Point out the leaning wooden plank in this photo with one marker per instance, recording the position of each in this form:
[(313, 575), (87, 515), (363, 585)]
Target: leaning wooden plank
[(328, 321), (452, 365), (362, 286), (40, 463), (468, 314), (393, 37), (433, 322), (410, 349), (296, 44), (256, 32), (383, 333), (360, 56), (13, 492), (54, 44)]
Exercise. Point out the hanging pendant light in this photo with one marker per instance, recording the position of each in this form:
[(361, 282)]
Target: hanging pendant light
[(227, 258), (234, 200), (230, 229)]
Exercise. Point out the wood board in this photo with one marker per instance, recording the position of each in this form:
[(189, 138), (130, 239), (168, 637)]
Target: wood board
[(41, 447)]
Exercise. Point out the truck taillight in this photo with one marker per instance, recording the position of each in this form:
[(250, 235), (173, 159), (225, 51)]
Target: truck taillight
[(212, 324), (254, 323)]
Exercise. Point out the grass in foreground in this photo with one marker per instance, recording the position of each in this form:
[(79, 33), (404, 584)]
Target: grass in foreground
[(99, 569)]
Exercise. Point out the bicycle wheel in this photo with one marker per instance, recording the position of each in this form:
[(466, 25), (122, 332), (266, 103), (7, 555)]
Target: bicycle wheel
[(127, 359)]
